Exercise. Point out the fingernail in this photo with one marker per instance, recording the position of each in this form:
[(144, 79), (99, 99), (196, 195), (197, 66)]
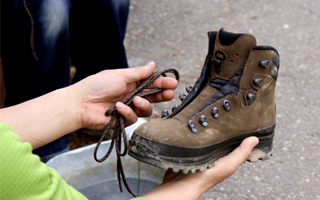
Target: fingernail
[(120, 105), (254, 142), (149, 64), (139, 101)]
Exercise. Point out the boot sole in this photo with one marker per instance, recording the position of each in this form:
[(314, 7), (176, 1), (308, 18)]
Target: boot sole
[(197, 159)]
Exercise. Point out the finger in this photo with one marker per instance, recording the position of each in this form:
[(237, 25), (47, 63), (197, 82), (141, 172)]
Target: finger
[(164, 83), (142, 107), (227, 165), (132, 75), (165, 95), (129, 115)]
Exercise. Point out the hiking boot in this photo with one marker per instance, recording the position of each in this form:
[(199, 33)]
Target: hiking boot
[(236, 102)]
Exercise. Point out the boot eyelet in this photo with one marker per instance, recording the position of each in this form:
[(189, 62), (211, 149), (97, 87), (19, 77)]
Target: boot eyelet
[(274, 72), (264, 63), (182, 96), (175, 107), (227, 105), (250, 98), (258, 81), (188, 88), (164, 113), (192, 126), (215, 112), (203, 121)]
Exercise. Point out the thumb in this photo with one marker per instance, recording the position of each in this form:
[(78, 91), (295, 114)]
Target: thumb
[(230, 163), (242, 153)]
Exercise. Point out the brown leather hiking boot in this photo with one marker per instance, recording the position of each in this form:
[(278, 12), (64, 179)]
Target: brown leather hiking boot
[(236, 101)]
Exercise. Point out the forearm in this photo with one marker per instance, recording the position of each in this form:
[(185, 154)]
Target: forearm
[(44, 119)]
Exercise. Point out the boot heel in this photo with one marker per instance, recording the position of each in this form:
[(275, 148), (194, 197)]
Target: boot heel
[(263, 151)]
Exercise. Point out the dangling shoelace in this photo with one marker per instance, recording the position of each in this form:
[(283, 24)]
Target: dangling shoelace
[(119, 130)]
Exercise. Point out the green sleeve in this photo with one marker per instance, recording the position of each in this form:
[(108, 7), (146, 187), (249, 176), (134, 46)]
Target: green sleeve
[(24, 176)]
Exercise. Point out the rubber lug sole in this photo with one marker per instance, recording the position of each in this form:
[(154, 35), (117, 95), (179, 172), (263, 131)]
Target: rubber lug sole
[(142, 151)]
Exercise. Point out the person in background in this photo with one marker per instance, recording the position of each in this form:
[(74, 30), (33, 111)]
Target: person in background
[(41, 37)]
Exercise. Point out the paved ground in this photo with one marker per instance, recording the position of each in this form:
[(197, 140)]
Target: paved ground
[(173, 34)]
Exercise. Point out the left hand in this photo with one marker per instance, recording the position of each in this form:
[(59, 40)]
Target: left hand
[(102, 90)]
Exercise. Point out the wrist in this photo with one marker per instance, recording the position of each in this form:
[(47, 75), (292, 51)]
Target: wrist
[(73, 106)]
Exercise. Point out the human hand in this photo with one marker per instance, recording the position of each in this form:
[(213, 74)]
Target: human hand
[(192, 186), (99, 92)]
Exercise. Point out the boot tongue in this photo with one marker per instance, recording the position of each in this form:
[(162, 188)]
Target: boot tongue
[(230, 53)]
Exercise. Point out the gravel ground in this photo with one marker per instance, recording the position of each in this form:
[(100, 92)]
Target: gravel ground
[(174, 35)]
